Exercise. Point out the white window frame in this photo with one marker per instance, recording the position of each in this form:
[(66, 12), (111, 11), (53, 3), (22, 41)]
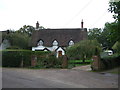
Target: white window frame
[(55, 43), (40, 43), (71, 42)]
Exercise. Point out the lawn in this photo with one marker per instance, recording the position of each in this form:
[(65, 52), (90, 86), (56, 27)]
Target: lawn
[(79, 61), (74, 63)]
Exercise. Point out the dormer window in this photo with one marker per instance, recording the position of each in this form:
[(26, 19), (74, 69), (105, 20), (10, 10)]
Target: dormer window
[(55, 43), (71, 43), (40, 43)]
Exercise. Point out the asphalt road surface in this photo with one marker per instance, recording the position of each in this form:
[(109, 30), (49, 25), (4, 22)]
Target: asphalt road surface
[(56, 78)]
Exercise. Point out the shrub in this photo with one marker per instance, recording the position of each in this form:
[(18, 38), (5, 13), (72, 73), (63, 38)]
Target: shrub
[(45, 59), (111, 61), (83, 50), (116, 47), (13, 47), (13, 58), (48, 60)]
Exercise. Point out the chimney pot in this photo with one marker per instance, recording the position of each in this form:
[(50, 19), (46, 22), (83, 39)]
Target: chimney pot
[(37, 25), (82, 23)]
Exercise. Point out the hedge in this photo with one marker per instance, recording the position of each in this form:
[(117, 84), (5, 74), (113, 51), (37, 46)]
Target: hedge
[(13, 58), (48, 61), (111, 61), (45, 59)]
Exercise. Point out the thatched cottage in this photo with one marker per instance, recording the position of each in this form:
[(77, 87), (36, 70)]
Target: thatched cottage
[(57, 39)]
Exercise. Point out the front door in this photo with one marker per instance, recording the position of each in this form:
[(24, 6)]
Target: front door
[(59, 53)]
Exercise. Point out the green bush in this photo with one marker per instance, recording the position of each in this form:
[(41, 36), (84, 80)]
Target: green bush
[(116, 47), (45, 59), (48, 60), (83, 50), (13, 47), (13, 58), (111, 61)]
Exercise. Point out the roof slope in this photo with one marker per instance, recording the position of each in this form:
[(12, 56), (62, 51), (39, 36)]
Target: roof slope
[(63, 36)]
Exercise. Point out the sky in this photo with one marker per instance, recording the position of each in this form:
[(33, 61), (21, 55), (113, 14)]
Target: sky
[(54, 13)]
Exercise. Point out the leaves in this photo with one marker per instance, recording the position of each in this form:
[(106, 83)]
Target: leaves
[(114, 7), (26, 29), (84, 49)]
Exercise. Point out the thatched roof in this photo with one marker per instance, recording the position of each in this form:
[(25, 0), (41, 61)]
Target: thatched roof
[(63, 36)]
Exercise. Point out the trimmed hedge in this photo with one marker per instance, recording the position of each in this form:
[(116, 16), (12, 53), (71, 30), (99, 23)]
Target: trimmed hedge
[(111, 61), (13, 58), (45, 59)]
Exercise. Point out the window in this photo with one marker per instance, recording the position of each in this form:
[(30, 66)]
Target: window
[(40, 43), (71, 43), (55, 43)]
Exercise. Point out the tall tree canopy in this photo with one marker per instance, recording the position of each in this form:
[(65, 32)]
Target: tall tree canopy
[(101, 35), (26, 29), (111, 32), (114, 7), (18, 40)]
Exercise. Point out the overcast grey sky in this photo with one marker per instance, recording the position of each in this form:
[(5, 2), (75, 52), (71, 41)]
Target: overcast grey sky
[(54, 13)]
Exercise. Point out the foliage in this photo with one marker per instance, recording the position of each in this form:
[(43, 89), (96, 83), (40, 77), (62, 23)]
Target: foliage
[(13, 47), (116, 47), (103, 36), (18, 40), (111, 61), (48, 60), (13, 58), (95, 33), (114, 7), (100, 35), (112, 33), (26, 29), (84, 50)]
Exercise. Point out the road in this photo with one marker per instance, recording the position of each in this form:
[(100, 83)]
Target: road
[(56, 78)]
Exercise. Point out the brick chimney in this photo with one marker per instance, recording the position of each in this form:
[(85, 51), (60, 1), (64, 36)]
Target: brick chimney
[(82, 23), (37, 25)]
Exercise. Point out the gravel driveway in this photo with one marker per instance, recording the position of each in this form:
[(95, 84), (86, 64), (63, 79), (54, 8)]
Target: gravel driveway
[(56, 78)]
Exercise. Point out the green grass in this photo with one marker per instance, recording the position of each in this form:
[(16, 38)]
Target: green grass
[(77, 61), (74, 63)]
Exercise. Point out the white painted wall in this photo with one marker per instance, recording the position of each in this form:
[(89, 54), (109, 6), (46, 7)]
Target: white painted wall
[(53, 48), (60, 49), (38, 48)]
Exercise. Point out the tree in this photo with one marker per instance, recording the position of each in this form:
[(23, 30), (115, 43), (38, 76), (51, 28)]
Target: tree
[(116, 47), (18, 40), (94, 33), (111, 34), (114, 7), (26, 29), (100, 35), (84, 50)]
